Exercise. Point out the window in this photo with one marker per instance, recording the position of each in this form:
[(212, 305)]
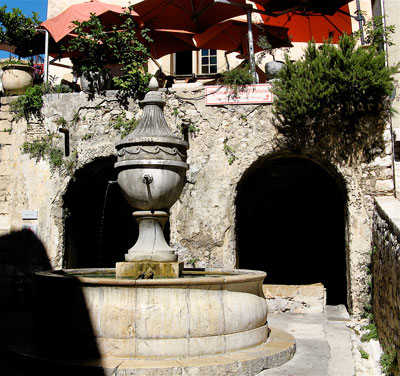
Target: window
[(208, 61), (183, 62)]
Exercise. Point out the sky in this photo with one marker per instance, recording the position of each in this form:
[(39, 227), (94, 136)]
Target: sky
[(27, 7)]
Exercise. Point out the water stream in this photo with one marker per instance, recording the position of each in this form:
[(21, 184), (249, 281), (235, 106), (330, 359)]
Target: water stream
[(101, 230)]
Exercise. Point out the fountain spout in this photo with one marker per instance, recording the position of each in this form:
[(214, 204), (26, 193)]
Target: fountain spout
[(151, 173)]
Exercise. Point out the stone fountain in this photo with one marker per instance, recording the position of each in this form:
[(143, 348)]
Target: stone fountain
[(149, 316), (151, 173)]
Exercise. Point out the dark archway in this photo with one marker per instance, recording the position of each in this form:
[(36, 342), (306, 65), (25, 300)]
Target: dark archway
[(91, 239), (291, 224)]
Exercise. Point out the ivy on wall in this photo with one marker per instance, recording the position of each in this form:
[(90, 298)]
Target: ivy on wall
[(335, 100)]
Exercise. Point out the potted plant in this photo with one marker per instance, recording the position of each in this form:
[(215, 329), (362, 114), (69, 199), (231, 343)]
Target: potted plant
[(91, 50), (18, 32), (94, 48), (272, 68)]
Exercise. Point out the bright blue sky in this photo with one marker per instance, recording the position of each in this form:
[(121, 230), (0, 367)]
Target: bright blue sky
[(27, 7)]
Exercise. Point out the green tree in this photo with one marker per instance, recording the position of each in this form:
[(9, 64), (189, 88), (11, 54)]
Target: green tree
[(18, 30)]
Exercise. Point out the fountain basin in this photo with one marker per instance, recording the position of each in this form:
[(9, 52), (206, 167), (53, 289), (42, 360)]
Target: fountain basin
[(211, 312)]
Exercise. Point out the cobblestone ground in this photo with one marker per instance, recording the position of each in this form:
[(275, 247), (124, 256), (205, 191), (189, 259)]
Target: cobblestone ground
[(328, 344)]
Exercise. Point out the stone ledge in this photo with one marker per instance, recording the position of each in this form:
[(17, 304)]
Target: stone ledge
[(389, 208), (280, 348)]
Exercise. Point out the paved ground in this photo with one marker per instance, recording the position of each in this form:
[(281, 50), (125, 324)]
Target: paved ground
[(326, 344)]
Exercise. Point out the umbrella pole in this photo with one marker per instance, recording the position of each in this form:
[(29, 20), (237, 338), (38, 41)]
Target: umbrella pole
[(46, 55), (46, 58), (360, 20), (251, 47)]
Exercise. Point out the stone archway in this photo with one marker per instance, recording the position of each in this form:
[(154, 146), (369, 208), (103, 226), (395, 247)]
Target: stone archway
[(97, 235), (291, 223)]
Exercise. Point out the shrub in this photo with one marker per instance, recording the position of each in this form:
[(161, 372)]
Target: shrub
[(335, 100), (237, 78), (29, 104)]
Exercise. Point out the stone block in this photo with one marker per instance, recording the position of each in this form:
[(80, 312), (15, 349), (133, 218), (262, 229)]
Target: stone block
[(4, 207), (93, 299), (384, 185), (6, 115), (243, 311), (116, 347), (206, 313), (201, 346), (153, 322), (162, 348), (117, 313), (6, 100), (251, 338), (295, 298), (153, 269), (4, 124), (4, 222), (4, 182)]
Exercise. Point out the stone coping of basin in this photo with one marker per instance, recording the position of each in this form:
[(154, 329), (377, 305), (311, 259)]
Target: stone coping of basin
[(280, 348), (219, 277)]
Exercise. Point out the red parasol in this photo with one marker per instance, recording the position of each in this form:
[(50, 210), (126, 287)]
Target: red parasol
[(169, 41), (192, 15), (61, 25), (328, 7), (232, 35), (305, 27)]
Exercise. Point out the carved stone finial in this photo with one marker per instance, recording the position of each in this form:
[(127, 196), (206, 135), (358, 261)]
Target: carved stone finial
[(153, 85)]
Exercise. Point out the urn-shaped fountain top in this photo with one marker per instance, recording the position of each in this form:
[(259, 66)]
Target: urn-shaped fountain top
[(152, 128), (152, 159)]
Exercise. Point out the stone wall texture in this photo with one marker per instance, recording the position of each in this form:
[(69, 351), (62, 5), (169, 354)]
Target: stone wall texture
[(386, 272), (202, 223)]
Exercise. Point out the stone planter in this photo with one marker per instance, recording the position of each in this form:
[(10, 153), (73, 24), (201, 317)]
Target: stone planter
[(17, 78), (272, 68), (95, 82)]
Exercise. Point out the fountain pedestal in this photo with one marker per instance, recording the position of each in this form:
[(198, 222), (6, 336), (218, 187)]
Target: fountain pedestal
[(151, 256)]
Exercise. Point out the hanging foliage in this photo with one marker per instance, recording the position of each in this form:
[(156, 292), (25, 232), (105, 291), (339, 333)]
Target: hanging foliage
[(335, 100)]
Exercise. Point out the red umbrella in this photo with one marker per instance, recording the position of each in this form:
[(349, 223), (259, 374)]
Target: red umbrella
[(169, 41), (62, 25), (305, 27), (232, 35), (316, 6), (192, 15)]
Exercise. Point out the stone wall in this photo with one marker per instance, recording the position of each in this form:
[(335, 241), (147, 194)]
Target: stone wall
[(203, 220), (386, 272)]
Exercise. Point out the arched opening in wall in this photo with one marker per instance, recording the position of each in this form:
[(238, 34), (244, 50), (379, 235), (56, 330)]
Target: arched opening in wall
[(290, 222), (99, 226)]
